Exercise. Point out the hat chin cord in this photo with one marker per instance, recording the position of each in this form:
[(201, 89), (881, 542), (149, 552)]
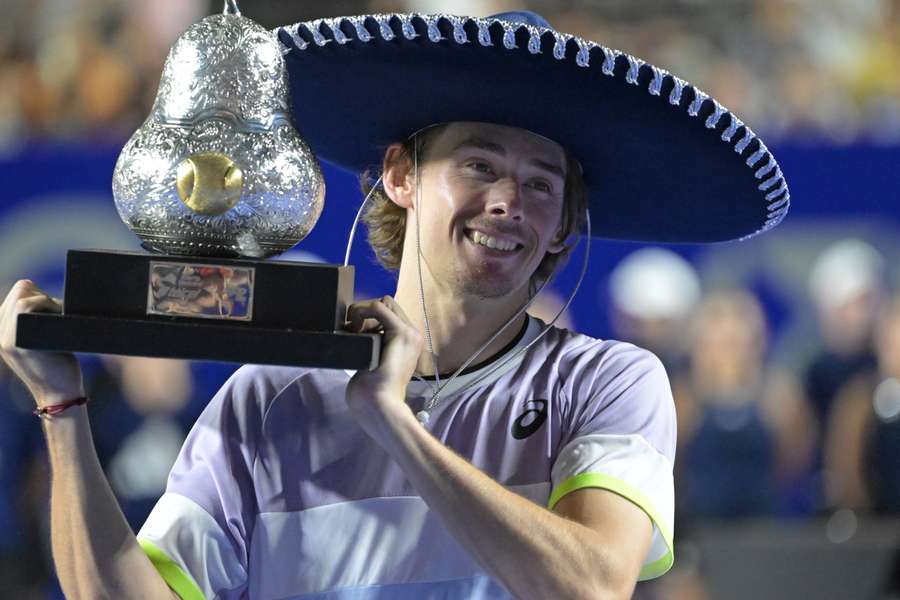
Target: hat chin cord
[(436, 386)]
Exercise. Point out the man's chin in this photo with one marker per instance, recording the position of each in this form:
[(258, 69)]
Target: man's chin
[(487, 286)]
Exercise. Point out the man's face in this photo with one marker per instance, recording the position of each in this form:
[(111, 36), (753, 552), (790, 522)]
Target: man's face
[(492, 199)]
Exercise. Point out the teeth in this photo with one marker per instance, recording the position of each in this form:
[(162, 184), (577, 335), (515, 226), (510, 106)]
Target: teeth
[(490, 242)]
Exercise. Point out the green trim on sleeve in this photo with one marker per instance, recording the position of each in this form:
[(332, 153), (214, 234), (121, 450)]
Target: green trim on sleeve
[(180, 582), (629, 492)]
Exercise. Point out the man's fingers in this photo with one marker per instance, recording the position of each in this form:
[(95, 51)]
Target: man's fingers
[(373, 310), (23, 290), (368, 326), (384, 310), (38, 303)]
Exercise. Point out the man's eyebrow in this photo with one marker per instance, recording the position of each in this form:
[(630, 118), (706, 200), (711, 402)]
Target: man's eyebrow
[(482, 144), (551, 167)]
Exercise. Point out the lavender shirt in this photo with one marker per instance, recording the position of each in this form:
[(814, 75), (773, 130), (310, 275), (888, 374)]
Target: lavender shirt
[(278, 493)]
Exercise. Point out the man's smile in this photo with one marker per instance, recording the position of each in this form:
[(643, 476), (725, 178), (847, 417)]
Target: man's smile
[(500, 243)]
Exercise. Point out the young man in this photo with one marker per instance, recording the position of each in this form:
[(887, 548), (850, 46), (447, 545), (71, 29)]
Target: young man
[(542, 471)]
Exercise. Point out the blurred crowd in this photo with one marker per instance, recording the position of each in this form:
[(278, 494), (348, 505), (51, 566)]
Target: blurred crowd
[(757, 439), (816, 69)]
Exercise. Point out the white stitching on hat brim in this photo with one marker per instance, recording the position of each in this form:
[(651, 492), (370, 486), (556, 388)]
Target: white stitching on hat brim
[(582, 53)]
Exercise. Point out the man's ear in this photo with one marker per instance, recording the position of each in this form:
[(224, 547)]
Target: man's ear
[(398, 177), (559, 242)]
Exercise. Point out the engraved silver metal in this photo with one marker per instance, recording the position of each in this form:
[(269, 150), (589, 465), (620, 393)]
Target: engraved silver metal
[(231, 8), (223, 89)]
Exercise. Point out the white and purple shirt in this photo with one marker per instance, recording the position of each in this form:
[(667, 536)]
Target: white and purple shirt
[(279, 494)]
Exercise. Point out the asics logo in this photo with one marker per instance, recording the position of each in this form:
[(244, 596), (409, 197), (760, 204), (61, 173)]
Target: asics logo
[(530, 420)]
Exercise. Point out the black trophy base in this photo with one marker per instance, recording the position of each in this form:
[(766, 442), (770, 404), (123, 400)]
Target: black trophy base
[(198, 341), (226, 310)]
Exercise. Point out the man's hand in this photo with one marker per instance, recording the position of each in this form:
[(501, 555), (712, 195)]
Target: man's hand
[(376, 395), (51, 377)]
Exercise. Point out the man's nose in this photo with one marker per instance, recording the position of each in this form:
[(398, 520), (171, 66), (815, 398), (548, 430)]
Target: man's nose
[(505, 199)]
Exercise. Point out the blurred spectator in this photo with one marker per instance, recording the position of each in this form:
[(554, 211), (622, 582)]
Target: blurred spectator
[(141, 410), (862, 444), (817, 69), (744, 428), (847, 287), (654, 293), (21, 511)]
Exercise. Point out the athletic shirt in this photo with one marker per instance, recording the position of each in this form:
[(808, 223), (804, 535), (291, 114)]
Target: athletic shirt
[(278, 492)]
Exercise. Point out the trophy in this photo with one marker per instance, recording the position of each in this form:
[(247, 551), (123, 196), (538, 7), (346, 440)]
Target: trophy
[(216, 179)]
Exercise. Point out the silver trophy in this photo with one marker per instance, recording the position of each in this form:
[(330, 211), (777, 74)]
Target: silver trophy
[(216, 178), (218, 169)]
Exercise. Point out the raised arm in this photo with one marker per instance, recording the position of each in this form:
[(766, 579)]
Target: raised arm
[(94, 549), (590, 546)]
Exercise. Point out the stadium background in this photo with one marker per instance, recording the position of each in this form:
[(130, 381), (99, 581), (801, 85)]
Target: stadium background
[(819, 80)]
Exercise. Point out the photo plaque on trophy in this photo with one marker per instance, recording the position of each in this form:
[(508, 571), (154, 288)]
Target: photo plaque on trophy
[(215, 180)]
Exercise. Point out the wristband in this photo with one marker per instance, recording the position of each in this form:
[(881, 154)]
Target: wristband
[(55, 409)]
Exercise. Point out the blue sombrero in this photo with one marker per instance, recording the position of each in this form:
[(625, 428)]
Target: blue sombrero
[(663, 162)]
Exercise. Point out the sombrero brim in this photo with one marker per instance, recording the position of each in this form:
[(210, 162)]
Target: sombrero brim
[(663, 162)]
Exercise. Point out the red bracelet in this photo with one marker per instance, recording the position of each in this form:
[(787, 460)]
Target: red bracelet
[(55, 409)]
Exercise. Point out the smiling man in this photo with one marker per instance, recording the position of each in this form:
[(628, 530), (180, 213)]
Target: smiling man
[(490, 455)]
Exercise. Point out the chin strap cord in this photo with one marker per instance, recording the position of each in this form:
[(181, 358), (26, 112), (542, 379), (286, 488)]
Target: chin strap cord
[(423, 415)]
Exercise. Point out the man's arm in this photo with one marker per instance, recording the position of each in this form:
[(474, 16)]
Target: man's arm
[(94, 549), (592, 549)]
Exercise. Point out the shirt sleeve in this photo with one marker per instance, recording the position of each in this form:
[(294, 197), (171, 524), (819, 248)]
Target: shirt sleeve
[(197, 534), (622, 438)]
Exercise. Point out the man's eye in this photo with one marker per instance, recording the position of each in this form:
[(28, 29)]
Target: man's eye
[(541, 186), (481, 167)]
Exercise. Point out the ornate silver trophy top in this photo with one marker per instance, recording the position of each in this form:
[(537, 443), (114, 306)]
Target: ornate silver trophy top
[(217, 169)]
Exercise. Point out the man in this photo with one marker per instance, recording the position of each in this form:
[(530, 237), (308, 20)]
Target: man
[(541, 471)]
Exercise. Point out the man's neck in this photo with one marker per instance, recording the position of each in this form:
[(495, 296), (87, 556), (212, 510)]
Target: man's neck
[(459, 325)]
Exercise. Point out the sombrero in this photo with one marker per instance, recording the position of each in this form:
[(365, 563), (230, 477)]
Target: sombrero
[(663, 161)]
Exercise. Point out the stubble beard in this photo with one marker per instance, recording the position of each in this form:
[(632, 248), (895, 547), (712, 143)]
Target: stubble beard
[(481, 284)]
